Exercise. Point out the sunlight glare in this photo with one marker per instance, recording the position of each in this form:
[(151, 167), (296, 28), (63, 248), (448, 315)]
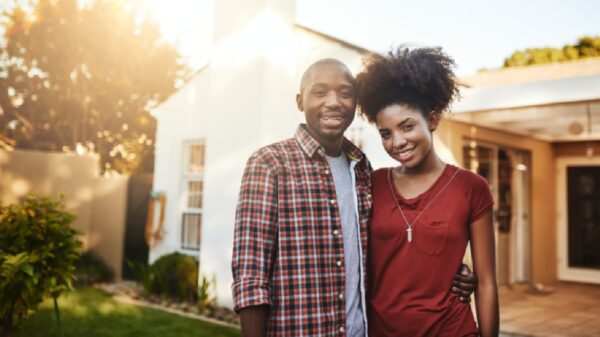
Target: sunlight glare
[(188, 24)]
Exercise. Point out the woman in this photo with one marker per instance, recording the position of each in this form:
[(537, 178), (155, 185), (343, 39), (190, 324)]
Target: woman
[(425, 211)]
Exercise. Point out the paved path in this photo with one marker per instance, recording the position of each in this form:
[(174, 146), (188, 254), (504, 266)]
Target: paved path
[(571, 310)]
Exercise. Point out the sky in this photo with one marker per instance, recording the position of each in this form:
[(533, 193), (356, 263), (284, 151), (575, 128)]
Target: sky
[(477, 34)]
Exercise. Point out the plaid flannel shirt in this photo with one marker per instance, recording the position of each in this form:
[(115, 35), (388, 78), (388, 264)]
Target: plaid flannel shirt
[(288, 246)]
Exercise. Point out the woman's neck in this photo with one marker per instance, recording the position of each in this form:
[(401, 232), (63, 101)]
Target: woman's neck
[(431, 164)]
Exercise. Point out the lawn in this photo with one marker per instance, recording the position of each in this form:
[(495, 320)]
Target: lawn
[(90, 312)]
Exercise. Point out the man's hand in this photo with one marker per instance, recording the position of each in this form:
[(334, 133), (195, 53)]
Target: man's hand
[(464, 283)]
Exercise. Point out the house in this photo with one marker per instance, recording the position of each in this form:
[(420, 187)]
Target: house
[(515, 127), (533, 133)]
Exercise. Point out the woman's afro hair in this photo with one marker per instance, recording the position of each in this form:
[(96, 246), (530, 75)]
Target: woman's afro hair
[(420, 78)]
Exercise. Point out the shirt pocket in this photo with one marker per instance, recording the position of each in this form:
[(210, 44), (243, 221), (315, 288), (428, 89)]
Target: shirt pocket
[(430, 236)]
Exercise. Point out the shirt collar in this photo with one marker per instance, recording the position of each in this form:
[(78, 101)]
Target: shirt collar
[(310, 146)]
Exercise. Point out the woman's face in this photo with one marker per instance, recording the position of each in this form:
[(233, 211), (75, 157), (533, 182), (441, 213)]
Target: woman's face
[(406, 134)]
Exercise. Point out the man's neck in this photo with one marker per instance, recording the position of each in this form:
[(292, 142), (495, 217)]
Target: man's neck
[(333, 147)]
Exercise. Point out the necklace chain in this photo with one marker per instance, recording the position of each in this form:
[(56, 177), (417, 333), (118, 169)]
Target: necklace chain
[(409, 225)]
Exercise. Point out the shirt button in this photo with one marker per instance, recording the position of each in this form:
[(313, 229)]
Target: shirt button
[(336, 232), (339, 263), (342, 329), (326, 171), (341, 296), (332, 201)]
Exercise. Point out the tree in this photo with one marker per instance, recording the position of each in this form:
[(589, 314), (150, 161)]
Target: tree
[(586, 47), (83, 76), (38, 251)]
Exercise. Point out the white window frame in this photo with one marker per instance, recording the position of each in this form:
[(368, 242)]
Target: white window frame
[(187, 177)]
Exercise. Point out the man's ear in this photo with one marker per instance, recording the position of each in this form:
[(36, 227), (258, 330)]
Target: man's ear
[(299, 102), (433, 121)]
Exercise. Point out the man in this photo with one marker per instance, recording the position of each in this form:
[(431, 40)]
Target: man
[(301, 223)]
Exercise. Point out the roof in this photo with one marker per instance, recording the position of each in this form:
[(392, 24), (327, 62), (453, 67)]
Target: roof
[(565, 90), (534, 73), (334, 39), (553, 102)]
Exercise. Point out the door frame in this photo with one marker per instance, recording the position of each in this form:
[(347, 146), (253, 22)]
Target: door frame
[(566, 273), (519, 248)]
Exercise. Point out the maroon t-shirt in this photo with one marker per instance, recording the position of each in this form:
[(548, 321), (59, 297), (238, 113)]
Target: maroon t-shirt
[(410, 282)]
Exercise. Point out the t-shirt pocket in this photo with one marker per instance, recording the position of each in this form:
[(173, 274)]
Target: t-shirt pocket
[(430, 236)]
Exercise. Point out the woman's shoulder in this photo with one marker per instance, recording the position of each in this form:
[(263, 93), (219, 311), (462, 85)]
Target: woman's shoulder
[(380, 173), (470, 179)]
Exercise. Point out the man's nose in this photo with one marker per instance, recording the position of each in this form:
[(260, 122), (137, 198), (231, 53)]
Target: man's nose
[(332, 99)]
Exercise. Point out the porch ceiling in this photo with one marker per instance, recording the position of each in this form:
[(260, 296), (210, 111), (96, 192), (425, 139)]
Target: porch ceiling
[(556, 110)]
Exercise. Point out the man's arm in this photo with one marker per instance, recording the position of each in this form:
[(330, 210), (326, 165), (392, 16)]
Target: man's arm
[(254, 321), (254, 247)]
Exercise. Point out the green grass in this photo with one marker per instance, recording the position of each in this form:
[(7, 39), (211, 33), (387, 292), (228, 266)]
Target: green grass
[(89, 312)]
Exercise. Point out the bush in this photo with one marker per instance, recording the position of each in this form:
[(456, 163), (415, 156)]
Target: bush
[(176, 276), (142, 272), (92, 269), (38, 251), (207, 293)]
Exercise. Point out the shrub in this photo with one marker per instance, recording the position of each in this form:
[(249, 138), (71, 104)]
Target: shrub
[(176, 276), (207, 293), (92, 269), (143, 273), (38, 251)]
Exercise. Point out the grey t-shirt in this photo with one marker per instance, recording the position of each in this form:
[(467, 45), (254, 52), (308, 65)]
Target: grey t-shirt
[(342, 178)]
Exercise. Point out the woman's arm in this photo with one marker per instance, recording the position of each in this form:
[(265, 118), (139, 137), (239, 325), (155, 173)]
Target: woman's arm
[(484, 264)]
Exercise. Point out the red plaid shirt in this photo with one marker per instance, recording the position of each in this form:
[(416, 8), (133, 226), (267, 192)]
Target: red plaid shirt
[(288, 246)]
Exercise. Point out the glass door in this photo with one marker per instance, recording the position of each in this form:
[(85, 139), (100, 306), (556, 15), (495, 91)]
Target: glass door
[(579, 220)]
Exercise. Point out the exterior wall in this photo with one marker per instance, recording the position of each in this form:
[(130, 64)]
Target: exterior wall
[(98, 202), (543, 189)]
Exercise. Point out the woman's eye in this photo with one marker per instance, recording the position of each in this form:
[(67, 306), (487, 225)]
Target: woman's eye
[(407, 127), (384, 135)]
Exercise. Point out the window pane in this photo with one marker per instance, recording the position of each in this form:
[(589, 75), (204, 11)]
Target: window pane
[(196, 158), (190, 231), (194, 192), (584, 217)]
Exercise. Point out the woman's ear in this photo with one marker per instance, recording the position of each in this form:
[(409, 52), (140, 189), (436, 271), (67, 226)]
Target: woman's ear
[(433, 120)]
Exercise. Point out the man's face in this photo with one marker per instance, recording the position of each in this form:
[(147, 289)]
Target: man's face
[(328, 102)]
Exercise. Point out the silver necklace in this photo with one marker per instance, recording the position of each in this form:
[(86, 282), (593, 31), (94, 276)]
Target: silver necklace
[(409, 226)]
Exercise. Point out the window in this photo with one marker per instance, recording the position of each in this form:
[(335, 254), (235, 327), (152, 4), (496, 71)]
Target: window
[(192, 188)]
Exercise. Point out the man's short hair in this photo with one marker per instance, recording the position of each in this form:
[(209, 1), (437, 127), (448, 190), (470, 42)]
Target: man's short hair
[(308, 72)]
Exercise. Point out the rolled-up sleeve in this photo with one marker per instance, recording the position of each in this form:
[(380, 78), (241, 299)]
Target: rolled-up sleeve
[(255, 236)]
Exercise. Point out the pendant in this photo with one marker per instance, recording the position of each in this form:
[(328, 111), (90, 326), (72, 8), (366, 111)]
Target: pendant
[(409, 231)]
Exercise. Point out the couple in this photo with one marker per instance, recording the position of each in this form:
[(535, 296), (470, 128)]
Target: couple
[(321, 243)]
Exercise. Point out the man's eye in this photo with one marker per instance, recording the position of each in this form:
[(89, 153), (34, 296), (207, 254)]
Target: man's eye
[(319, 93), (384, 135), (346, 94), (407, 127)]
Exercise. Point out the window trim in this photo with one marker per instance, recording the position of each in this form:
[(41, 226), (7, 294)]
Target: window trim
[(186, 177)]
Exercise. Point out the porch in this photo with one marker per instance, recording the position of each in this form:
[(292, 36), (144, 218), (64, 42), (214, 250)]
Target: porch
[(568, 310)]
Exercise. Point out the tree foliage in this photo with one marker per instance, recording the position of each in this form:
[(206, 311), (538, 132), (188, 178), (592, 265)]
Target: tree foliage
[(38, 251), (584, 48), (83, 75)]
